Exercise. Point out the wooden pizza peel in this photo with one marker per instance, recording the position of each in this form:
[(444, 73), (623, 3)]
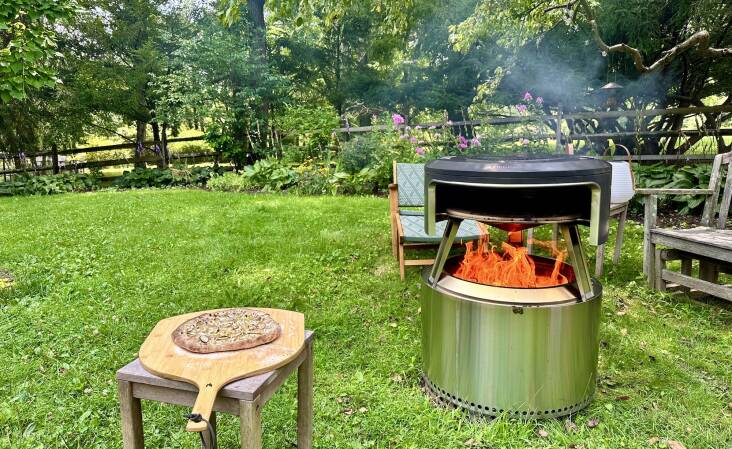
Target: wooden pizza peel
[(210, 372)]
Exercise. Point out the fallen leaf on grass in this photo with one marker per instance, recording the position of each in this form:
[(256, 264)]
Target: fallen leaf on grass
[(623, 332), (542, 433), (472, 442), (570, 426), (593, 422), (653, 440), (622, 398), (348, 412), (674, 445), (363, 410)]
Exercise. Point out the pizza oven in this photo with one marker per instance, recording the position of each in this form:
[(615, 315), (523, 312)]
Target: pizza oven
[(506, 330)]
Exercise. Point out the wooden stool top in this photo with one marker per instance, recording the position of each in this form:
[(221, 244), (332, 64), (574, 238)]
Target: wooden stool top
[(244, 389)]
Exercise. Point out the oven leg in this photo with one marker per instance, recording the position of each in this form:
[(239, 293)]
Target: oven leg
[(443, 251), (579, 261)]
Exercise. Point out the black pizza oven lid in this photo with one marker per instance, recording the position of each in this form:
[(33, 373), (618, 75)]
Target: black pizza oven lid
[(515, 167)]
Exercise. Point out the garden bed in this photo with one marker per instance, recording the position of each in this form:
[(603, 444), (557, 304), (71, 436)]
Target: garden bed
[(95, 272)]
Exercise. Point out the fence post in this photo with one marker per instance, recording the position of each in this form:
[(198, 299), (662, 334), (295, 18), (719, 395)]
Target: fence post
[(54, 158), (559, 128)]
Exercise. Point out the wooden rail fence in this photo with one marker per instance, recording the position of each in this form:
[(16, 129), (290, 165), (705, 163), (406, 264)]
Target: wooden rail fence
[(556, 121), (57, 165)]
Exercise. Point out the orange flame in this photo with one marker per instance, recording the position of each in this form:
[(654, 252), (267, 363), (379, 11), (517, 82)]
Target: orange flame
[(513, 268)]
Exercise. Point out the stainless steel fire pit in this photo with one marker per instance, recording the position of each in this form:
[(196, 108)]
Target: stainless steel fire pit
[(522, 352)]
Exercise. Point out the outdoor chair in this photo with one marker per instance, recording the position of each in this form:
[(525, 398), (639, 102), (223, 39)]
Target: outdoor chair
[(710, 243), (407, 225), (622, 191)]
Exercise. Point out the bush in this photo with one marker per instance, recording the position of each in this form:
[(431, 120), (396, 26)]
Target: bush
[(230, 182), (360, 152), (313, 179), (668, 176), (270, 175), (308, 131), (176, 148), (157, 177), (26, 184)]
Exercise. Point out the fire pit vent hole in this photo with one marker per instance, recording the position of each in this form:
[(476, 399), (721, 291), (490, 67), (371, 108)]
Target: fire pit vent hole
[(485, 410)]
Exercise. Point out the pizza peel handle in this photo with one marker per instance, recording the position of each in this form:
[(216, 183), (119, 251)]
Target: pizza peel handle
[(210, 372)]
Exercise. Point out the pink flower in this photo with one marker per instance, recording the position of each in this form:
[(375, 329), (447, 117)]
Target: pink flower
[(463, 146), (407, 128), (413, 139), (397, 119), (527, 96), (418, 127), (539, 100), (419, 150), (475, 142), (521, 108), (524, 141), (403, 136), (462, 140)]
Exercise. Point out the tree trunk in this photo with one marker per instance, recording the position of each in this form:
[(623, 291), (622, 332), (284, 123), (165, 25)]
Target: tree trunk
[(156, 145), (256, 14), (259, 37), (166, 154), (140, 143)]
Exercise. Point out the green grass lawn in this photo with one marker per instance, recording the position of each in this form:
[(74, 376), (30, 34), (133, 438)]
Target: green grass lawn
[(94, 273)]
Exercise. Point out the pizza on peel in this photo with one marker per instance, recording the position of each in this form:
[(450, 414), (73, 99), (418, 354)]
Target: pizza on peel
[(226, 330)]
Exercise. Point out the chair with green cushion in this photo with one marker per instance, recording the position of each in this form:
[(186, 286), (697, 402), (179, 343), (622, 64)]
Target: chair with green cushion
[(407, 225)]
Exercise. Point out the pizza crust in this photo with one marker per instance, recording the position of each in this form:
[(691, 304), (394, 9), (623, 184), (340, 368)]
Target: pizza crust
[(226, 330)]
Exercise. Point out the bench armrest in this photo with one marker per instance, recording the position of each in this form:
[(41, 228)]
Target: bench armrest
[(393, 198), (673, 191)]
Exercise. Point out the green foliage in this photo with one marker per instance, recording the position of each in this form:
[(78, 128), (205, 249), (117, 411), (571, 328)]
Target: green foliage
[(28, 38), (307, 130), (223, 143), (313, 178), (359, 152), (230, 182), (26, 184), (270, 175), (363, 182), (140, 178), (667, 176)]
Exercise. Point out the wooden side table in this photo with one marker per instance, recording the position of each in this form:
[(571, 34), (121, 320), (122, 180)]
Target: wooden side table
[(244, 398)]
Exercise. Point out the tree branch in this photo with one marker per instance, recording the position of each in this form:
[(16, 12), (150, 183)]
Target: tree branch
[(699, 40)]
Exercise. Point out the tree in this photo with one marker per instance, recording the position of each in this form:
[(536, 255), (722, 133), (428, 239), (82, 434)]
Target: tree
[(28, 52), (114, 45), (666, 54), (217, 74)]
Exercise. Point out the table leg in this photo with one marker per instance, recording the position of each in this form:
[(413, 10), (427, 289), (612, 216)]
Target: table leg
[(250, 422), (305, 401), (131, 417), (206, 435)]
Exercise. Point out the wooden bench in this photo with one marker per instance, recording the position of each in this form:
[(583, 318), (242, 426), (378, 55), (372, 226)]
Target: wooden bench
[(710, 243), (244, 398)]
